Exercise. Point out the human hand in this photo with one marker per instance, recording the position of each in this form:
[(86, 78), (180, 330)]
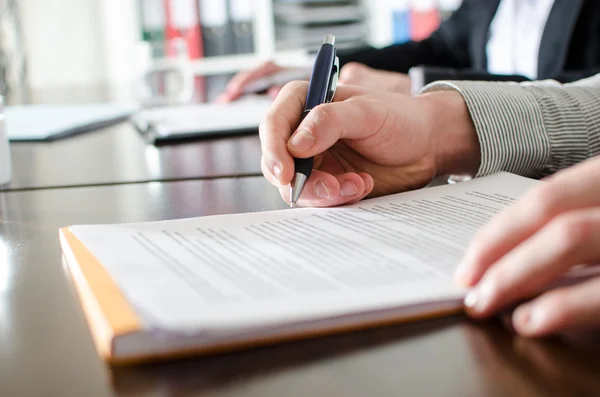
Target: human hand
[(551, 230), (235, 87), (382, 80), (366, 142)]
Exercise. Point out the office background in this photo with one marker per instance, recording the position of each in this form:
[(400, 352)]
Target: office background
[(98, 42), (76, 51)]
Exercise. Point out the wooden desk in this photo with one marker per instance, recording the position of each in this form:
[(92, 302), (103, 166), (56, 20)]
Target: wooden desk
[(119, 154), (46, 348)]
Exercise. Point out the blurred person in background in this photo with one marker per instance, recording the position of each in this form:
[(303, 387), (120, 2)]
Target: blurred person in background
[(492, 40)]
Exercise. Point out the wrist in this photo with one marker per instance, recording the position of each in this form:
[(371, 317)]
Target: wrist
[(455, 141)]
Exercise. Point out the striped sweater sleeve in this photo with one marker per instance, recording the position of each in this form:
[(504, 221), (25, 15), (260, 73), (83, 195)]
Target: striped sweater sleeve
[(534, 128)]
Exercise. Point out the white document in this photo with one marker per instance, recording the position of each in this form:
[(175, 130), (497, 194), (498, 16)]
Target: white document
[(270, 268), (178, 122), (46, 122)]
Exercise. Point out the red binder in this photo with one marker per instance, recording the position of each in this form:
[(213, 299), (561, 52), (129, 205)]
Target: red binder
[(183, 21)]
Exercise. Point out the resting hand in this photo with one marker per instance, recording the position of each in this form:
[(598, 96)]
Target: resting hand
[(554, 228), (351, 74), (366, 142), (381, 80), (235, 87)]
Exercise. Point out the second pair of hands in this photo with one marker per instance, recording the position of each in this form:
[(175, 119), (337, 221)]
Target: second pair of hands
[(351, 74)]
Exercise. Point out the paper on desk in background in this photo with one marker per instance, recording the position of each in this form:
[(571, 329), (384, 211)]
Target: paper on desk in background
[(48, 122), (202, 120)]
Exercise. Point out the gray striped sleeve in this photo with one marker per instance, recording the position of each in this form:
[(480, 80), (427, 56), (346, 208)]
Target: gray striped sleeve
[(532, 129)]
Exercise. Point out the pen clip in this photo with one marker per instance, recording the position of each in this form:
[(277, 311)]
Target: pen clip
[(333, 80)]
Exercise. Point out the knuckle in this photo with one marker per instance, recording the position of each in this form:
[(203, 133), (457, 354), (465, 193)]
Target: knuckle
[(547, 200), (351, 72), (325, 115), (263, 127), (267, 131), (572, 231), (294, 86), (269, 124), (503, 279)]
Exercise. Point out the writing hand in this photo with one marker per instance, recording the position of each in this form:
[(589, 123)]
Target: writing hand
[(366, 142)]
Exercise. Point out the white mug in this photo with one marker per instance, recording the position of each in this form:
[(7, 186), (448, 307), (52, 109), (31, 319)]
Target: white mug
[(5, 167)]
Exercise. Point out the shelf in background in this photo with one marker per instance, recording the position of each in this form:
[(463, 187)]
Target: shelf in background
[(235, 63)]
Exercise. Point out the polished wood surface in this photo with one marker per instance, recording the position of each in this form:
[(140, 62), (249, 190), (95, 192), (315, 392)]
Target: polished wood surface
[(46, 348), (119, 154)]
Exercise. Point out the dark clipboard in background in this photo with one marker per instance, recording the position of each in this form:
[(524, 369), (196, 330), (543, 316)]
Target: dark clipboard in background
[(173, 124)]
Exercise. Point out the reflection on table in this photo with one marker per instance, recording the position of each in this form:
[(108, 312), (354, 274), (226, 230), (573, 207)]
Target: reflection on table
[(47, 349)]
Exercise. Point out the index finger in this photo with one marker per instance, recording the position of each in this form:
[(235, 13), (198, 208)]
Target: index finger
[(282, 120), (276, 128)]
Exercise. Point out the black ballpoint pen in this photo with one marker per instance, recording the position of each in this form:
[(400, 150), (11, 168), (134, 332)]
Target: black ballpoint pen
[(321, 89)]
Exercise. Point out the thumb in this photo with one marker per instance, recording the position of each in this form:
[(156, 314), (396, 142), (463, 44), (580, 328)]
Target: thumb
[(358, 118)]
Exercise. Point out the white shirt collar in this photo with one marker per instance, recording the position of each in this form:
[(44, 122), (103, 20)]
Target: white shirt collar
[(515, 36)]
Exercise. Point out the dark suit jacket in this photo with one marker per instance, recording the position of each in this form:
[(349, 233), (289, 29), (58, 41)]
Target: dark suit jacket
[(569, 50)]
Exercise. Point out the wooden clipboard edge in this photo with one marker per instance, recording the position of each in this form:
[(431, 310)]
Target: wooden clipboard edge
[(107, 311)]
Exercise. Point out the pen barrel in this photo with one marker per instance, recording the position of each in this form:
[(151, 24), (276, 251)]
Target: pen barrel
[(303, 166), (318, 90), (318, 87)]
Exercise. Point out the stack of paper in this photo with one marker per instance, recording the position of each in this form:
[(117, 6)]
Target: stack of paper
[(219, 283)]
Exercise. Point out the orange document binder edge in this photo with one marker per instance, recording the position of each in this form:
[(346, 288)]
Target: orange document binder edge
[(108, 313)]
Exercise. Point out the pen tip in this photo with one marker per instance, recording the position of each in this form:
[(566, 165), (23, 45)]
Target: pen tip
[(292, 205)]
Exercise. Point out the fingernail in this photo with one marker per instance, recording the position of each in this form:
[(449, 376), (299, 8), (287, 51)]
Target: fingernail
[(348, 189), (478, 300), (321, 190), (302, 140), (471, 299), (277, 170), (529, 319)]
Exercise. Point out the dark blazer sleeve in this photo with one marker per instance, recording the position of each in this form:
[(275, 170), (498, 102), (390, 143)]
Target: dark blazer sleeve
[(569, 76), (432, 74), (446, 47)]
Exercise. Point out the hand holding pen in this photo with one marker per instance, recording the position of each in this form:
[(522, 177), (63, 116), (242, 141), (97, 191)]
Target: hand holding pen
[(321, 89), (365, 142)]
